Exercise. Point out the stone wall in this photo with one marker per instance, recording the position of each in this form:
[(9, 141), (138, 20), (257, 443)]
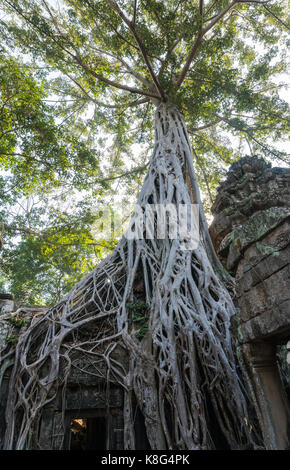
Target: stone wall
[(251, 234), (87, 394), (6, 307), (263, 277)]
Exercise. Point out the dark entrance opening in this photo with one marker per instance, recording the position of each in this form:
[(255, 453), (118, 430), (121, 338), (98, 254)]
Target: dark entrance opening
[(88, 433), (141, 440)]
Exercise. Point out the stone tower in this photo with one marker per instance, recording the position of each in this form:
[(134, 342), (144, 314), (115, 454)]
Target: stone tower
[(251, 234)]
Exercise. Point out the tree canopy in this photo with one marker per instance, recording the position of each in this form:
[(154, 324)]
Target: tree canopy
[(79, 91)]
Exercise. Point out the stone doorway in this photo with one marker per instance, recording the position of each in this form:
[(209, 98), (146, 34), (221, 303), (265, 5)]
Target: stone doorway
[(85, 430)]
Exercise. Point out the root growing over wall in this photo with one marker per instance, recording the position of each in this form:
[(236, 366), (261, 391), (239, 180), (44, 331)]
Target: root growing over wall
[(184, 352)]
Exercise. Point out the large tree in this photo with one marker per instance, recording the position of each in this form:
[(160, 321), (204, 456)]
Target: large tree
[(46, 228), (196, 66)]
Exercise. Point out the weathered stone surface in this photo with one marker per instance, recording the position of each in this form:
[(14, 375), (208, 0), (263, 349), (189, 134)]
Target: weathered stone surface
[(271, 325), (5, 331), (251, 233), (268, 294), (263, 277), (6, 304), (255, 202), (87, 391), (264, 269), (84, 398), (6, 307), (251, 186), (271, 249), (269, 396)]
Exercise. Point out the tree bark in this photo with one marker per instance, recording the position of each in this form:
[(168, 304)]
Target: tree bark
[(186, 356)]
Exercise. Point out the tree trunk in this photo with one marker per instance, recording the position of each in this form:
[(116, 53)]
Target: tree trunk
[(185, 363)]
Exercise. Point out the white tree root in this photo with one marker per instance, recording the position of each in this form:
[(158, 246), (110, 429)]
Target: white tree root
[(186, 354)]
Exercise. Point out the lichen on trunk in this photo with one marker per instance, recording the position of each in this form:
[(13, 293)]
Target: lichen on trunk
[(183, 360)]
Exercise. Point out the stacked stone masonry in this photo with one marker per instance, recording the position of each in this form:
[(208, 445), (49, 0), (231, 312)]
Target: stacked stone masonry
[(251, 234)]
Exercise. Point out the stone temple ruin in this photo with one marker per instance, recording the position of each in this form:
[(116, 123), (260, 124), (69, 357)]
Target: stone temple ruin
[(89, 416), (251, 234)]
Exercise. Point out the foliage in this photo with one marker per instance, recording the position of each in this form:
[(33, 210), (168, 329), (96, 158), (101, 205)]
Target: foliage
[(267, 249), (18, 322), (44, 168), (11, 339), (77, 104), (33, 148), (138, 311), (215, 62)]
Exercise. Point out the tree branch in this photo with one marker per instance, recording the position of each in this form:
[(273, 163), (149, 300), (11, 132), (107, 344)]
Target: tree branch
[(28, 157), (201, 8), (261, 2), (135, 74), (203, 173), (143, 51), (210, 8), (78, 59), (28, 231), (277, 18), (111, 82), (127, 173), (134, 14), (199, 40), (200, 36), (100, 103), (206, 126), (246, 131), (45, 236)]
